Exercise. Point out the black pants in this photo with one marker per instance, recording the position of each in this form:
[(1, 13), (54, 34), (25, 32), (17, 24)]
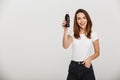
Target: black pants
[(78, 71)]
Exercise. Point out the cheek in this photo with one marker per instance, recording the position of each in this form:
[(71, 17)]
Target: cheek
[(86, 21), (77, 21)]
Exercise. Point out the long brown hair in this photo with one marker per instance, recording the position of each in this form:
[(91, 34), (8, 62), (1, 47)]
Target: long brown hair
[(77, 27)]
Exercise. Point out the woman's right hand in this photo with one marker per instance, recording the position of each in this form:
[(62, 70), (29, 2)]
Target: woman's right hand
[(64, 27)]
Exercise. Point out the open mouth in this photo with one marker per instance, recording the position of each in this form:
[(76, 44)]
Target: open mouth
[(82, 24)]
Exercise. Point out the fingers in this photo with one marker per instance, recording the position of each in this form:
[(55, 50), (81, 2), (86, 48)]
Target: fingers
[(83, 62), (64, 27), (87, 64), (63, 23)]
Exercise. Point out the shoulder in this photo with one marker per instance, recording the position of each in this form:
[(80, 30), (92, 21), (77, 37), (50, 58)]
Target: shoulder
[(94, 33), (94, 36)]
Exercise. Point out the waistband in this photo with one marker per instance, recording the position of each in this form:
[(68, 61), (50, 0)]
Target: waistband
[(78, 62)]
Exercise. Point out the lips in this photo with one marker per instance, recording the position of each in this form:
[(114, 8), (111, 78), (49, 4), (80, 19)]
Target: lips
[(82, 24)]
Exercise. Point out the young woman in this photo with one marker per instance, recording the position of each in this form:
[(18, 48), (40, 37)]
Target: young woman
[(85, 47)]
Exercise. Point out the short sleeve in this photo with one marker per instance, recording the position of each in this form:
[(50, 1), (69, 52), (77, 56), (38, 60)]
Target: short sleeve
[(94, 36)]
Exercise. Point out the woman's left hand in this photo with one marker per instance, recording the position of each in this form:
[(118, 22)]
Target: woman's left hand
[(88, 62)]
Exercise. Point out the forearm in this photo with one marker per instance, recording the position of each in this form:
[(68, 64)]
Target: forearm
[(65, 39), (94, 56)]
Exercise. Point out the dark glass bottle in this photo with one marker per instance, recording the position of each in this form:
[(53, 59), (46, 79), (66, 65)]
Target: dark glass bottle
[(67, 19)]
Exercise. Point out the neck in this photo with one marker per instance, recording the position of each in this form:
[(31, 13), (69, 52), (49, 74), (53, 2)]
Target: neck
[(82, 31)]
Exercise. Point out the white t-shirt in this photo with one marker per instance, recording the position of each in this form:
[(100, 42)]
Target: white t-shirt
[(82, 48)]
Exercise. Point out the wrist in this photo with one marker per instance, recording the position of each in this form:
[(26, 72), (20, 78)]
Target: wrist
[(65, 31), (88, 59)]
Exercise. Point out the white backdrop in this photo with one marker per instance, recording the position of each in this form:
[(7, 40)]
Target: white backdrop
[(31, 38)]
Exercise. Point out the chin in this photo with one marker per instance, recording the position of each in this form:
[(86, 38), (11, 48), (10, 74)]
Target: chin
[(83, 27)]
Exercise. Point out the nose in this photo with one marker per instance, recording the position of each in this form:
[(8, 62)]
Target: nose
[(82, 21)]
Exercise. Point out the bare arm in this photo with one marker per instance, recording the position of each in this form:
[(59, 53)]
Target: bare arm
[(95, 55), (97, 50), (67, 39)]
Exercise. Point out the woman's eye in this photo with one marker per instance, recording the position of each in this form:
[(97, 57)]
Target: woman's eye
[(84, 17), (78, 18)]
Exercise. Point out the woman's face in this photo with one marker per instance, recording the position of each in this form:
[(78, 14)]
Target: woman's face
[(81, 20)]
